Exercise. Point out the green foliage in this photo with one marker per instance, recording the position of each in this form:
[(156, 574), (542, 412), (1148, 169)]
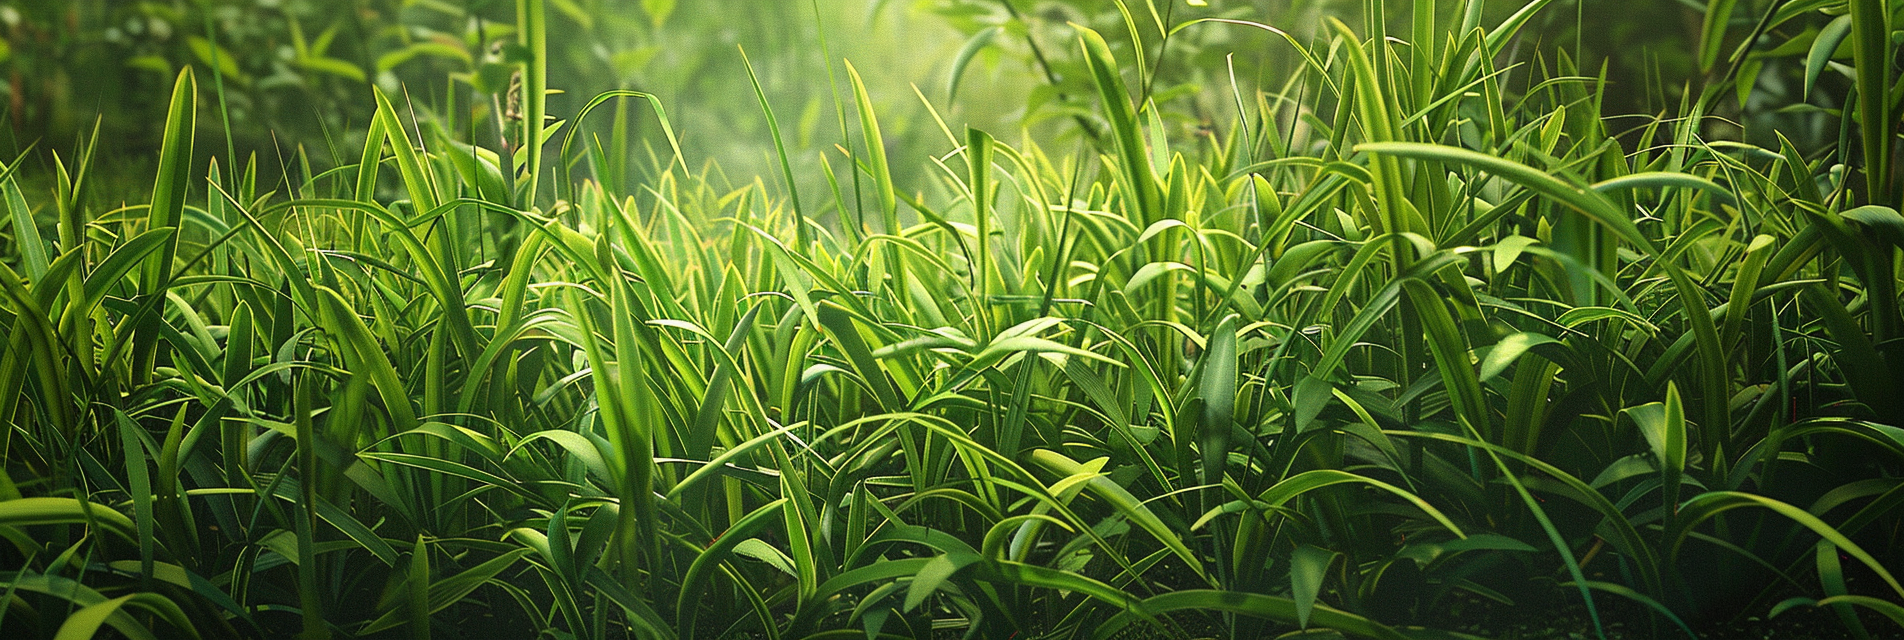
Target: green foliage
[(1416, 328)]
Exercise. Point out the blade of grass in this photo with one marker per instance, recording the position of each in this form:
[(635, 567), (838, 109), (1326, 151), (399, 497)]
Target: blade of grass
[(875, 153), (26, 234), (533, 36), (1872, 50), (780, 152), (1140, 178), (168, 207)]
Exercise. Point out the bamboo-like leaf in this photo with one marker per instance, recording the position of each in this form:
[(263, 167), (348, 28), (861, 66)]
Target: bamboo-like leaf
[(371, 161), (1509, 349), (978, 155), (1381, 122), (799, 520), (167, 210), (116, 266), (1664, 426), (1745, 286), (1451, 354), (363, 353), (417, 605), (1381, 303), (1663, 180), (416, 175), (702, 433), (1032, 575), (841, 327), (1831, 574), (1823, 47)]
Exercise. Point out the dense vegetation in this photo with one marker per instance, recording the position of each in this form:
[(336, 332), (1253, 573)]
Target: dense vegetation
[(1408, 343)]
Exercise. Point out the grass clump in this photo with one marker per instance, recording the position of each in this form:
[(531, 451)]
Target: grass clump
[(1404, 337)]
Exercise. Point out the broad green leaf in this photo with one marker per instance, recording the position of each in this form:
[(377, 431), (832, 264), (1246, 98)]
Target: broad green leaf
[(1308, 567), (1508, 350), (1823, 48), (934, 574)]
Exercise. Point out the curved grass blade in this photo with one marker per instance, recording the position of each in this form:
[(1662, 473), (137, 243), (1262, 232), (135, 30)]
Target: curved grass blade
[(972, 46), (1707, 505), (85, 623)]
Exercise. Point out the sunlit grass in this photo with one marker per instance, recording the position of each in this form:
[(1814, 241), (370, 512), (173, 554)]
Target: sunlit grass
[(1451, 341)]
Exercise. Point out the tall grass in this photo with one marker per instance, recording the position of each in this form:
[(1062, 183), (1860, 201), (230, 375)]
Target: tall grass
[(1415, 334)]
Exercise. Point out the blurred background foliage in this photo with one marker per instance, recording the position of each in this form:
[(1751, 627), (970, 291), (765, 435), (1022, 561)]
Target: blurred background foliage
[(300, 71), (293, 73), (297, 71)]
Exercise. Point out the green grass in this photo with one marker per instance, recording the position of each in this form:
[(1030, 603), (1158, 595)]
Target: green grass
[(1419, 330)]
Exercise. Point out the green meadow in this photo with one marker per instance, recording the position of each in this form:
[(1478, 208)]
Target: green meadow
[(990, 319)]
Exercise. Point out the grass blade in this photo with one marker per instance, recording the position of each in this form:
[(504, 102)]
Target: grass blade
[(1873, 51), (532, 26), (1140, 178), (168, 208), (26, 233)]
